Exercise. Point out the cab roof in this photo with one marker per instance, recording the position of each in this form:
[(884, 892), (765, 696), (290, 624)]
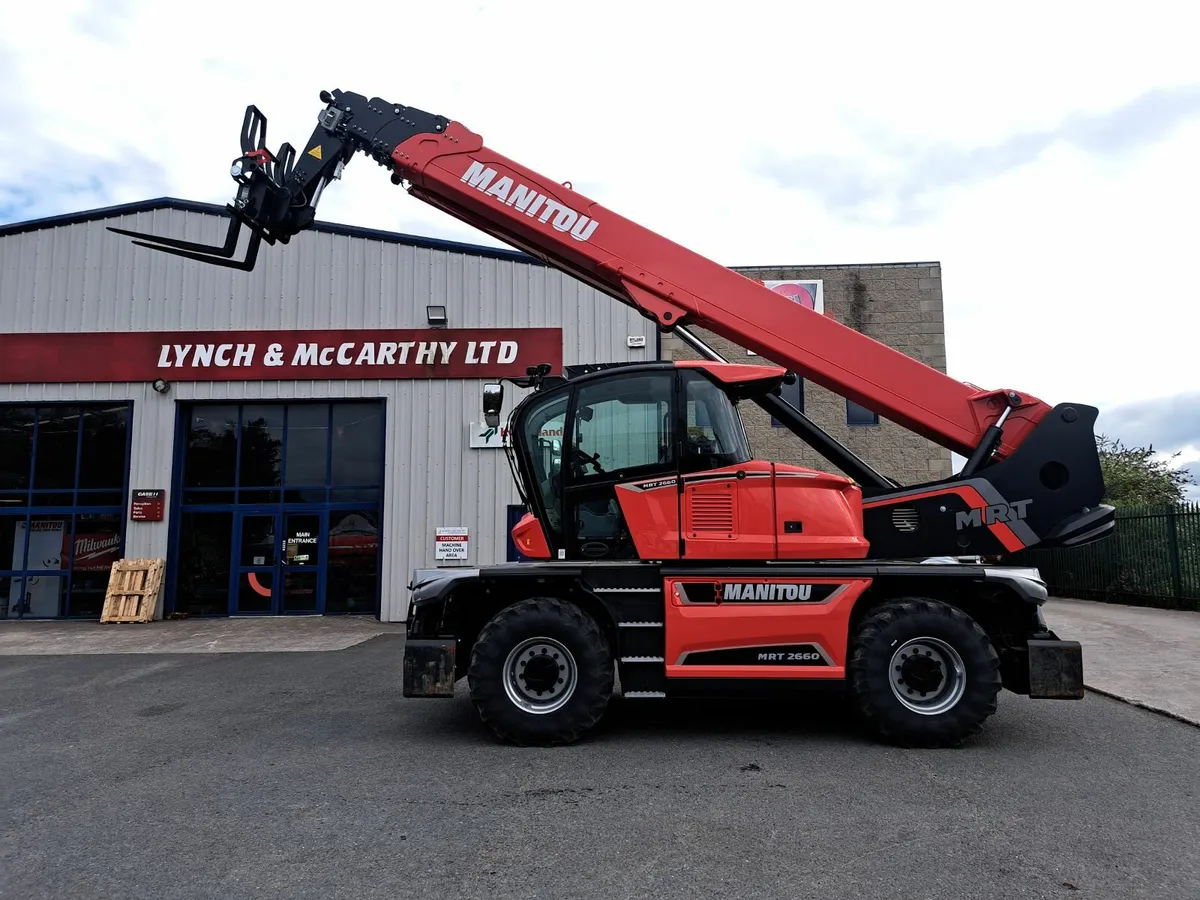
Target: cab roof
[(740, 380), (741, 374)]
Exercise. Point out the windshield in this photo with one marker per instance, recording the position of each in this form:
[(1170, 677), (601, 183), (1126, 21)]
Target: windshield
[(542, 434)]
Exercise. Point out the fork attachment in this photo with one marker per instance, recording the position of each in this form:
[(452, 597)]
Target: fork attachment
[(277, 194)]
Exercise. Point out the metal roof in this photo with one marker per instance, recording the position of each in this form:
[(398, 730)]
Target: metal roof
[(125, 209), (391, 237)]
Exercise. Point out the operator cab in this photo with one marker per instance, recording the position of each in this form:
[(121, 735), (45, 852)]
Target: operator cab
[(611, 463)]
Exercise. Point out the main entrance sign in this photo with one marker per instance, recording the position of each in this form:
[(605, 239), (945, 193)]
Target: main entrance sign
[(277, 355)]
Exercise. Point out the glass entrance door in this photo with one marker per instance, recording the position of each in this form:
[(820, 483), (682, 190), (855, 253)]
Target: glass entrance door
[(257, 546), (281, 564), (302, 564)]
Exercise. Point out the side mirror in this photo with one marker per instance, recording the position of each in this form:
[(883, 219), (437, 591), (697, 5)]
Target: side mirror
[(493, 402)]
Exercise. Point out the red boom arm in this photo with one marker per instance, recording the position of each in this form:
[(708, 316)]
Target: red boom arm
[(455, 172)]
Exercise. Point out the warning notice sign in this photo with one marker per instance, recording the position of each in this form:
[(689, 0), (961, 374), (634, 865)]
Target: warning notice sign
[(450, 543)]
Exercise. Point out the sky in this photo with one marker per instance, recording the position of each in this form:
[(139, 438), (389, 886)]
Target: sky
[(1047, 155)]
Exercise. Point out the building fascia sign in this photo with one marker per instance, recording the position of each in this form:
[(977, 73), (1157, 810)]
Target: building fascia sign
[(482, 436), (269, 355)]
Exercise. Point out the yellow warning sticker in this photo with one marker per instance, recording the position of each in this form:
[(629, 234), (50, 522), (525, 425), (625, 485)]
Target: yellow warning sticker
[(315, 151)]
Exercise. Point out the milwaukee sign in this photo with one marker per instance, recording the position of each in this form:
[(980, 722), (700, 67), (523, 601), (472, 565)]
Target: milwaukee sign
[(276, 355)]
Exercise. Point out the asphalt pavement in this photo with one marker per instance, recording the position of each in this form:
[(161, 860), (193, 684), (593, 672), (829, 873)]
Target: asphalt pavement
[(305, 774)]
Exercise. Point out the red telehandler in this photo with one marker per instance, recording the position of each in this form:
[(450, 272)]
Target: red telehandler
[(666, 557)]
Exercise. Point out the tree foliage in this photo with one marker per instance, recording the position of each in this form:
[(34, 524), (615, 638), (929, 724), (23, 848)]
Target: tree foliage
[(1134, 477)]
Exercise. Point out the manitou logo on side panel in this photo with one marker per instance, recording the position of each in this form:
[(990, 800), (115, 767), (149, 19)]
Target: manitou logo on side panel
[(529, 201), (990, 515), (761, 591)]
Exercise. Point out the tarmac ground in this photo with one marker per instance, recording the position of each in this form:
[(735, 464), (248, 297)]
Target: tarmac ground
[(269, 758)]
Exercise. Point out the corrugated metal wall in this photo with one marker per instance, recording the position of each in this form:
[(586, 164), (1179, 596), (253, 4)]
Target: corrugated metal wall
[(81, 277)]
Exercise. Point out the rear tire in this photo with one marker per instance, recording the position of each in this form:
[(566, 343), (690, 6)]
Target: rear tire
[(541, 673), (922, 673)]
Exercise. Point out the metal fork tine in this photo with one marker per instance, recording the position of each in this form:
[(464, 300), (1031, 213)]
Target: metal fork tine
[(245, 265), (225, 250)]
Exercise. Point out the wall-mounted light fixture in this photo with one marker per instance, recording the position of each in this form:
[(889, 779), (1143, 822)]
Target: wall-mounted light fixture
[(436, 316), (161, 385)]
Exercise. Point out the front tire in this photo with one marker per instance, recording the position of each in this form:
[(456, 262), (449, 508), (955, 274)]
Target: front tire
[(923, 673), (541, 673)]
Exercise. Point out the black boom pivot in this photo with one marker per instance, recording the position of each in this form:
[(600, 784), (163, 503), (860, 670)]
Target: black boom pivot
[(277, 194)]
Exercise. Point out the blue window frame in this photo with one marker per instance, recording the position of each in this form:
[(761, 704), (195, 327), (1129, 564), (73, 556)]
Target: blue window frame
[(280, 508), (64, 477), (793, 394), (860, 415)]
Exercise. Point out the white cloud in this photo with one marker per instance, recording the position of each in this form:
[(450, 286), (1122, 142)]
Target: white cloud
[(1189, 460), (1067, 274)]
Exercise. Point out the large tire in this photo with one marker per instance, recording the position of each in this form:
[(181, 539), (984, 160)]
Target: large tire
[(547, 645), (910, 645)]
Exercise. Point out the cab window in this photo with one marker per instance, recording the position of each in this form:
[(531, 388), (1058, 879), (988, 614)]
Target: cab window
[(621, 426)]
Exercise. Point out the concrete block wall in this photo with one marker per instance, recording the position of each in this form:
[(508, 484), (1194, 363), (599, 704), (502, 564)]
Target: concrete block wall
[(896, 304)]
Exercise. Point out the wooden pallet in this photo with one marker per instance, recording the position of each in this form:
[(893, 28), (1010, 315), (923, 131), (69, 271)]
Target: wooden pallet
[(133, 588)]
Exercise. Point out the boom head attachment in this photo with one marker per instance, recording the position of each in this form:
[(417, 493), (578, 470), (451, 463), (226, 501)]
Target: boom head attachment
[(277, 193)]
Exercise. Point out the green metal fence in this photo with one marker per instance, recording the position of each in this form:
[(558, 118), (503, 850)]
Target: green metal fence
[(1152, 558)]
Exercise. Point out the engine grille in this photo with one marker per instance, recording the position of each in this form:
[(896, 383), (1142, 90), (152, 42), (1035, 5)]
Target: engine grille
[(712, 512)]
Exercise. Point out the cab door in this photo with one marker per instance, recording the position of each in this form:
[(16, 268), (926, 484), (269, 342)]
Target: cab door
[(621, 429), (727, 499)]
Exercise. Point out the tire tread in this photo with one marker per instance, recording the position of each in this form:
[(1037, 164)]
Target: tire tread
[(872, 693), (565, 726)]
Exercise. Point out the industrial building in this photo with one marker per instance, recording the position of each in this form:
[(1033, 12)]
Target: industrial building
[(298, 439)]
